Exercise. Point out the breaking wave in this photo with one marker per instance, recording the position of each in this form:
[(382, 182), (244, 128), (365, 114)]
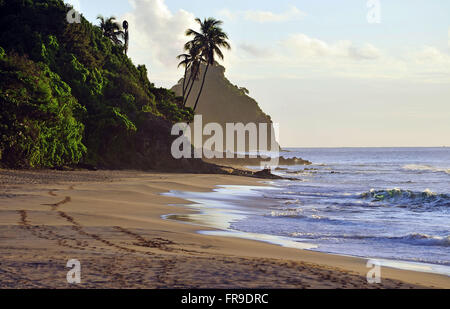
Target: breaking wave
[(412, 239), (425, 240), (426, 168), (408, 198)]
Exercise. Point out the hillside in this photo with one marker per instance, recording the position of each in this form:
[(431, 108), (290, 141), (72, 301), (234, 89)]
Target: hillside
[(222, 102), (69, 96)]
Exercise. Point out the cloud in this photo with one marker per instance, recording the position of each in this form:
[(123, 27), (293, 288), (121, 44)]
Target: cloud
[(430, 54), (304, 46), (254, 50), (291, 14), (266, 16), (430, 63), (301, 56), (227, 14), (366, 52), (157, 35)]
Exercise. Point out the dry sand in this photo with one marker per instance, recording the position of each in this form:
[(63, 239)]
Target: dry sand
[(111, 222)]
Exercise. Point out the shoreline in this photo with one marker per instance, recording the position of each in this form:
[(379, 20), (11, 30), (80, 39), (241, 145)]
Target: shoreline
[(115, 228), (207, 217)]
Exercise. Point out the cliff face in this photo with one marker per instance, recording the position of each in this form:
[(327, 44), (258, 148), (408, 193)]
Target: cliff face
[(222, 102)]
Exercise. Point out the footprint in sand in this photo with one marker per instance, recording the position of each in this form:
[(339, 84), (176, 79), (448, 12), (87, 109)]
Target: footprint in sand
[(46, 233)]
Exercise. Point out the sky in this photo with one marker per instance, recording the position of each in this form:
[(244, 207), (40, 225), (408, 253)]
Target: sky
[(348, 73)]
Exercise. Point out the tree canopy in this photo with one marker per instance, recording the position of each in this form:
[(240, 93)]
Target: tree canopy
[(69, 94), (204, 47)]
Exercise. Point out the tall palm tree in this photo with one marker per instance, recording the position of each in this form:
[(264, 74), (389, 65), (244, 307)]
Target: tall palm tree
[(125, 35), (192, 62), (111, 29), (207, 43), (186, 62)]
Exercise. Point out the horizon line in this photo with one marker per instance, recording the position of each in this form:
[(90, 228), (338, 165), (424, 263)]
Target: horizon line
[(342, 147)]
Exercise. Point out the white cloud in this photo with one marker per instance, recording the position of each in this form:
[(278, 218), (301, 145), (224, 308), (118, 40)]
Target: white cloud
[(227, 14), (302, 56), (430, 64), (304, 46), (430, 54), (292, 13), (266, 16), (368, 51), (157, 36), (254, 50)]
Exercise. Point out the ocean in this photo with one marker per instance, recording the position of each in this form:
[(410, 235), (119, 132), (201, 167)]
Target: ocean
[(378, 203)]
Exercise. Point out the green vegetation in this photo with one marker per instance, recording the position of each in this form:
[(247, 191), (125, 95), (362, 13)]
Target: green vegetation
[(69, 94), (112, 29), (37, 123)]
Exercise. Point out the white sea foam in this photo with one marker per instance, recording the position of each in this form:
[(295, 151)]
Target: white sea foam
[(399, 221), (426, 168), (293, 213), (400, 197), (427, 240)]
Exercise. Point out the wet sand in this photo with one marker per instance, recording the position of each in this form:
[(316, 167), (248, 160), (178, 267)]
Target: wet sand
[(111, 222)]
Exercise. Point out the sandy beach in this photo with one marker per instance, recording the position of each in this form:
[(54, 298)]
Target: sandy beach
[(111, 222)]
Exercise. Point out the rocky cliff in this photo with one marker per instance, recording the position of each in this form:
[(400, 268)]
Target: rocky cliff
[(223, 102)]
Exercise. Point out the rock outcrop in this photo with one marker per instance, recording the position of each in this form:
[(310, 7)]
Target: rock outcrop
[(223, 102)]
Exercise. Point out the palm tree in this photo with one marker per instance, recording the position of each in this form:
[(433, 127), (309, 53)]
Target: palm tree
[(125, 35), (191, 62), (111, 29), (186, 61), (207, 44)]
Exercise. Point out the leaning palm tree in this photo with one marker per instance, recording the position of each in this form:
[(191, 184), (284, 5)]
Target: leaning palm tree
[(111, 29), (191, 62), (207, 43), (186, 62)]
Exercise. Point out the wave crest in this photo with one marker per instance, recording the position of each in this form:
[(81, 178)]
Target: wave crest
[(412, 239), (426, 240), (426, 168), (397, 196)]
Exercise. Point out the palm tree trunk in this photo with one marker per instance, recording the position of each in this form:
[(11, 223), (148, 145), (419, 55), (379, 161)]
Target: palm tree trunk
[(126, 42), (184, 81), (192, 81), (201, 88)]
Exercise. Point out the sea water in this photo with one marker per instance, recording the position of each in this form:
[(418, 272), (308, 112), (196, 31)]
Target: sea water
[(385, 203)]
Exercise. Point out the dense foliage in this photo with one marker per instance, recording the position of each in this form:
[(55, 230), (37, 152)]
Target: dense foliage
[(37, 122), (68, 94)]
